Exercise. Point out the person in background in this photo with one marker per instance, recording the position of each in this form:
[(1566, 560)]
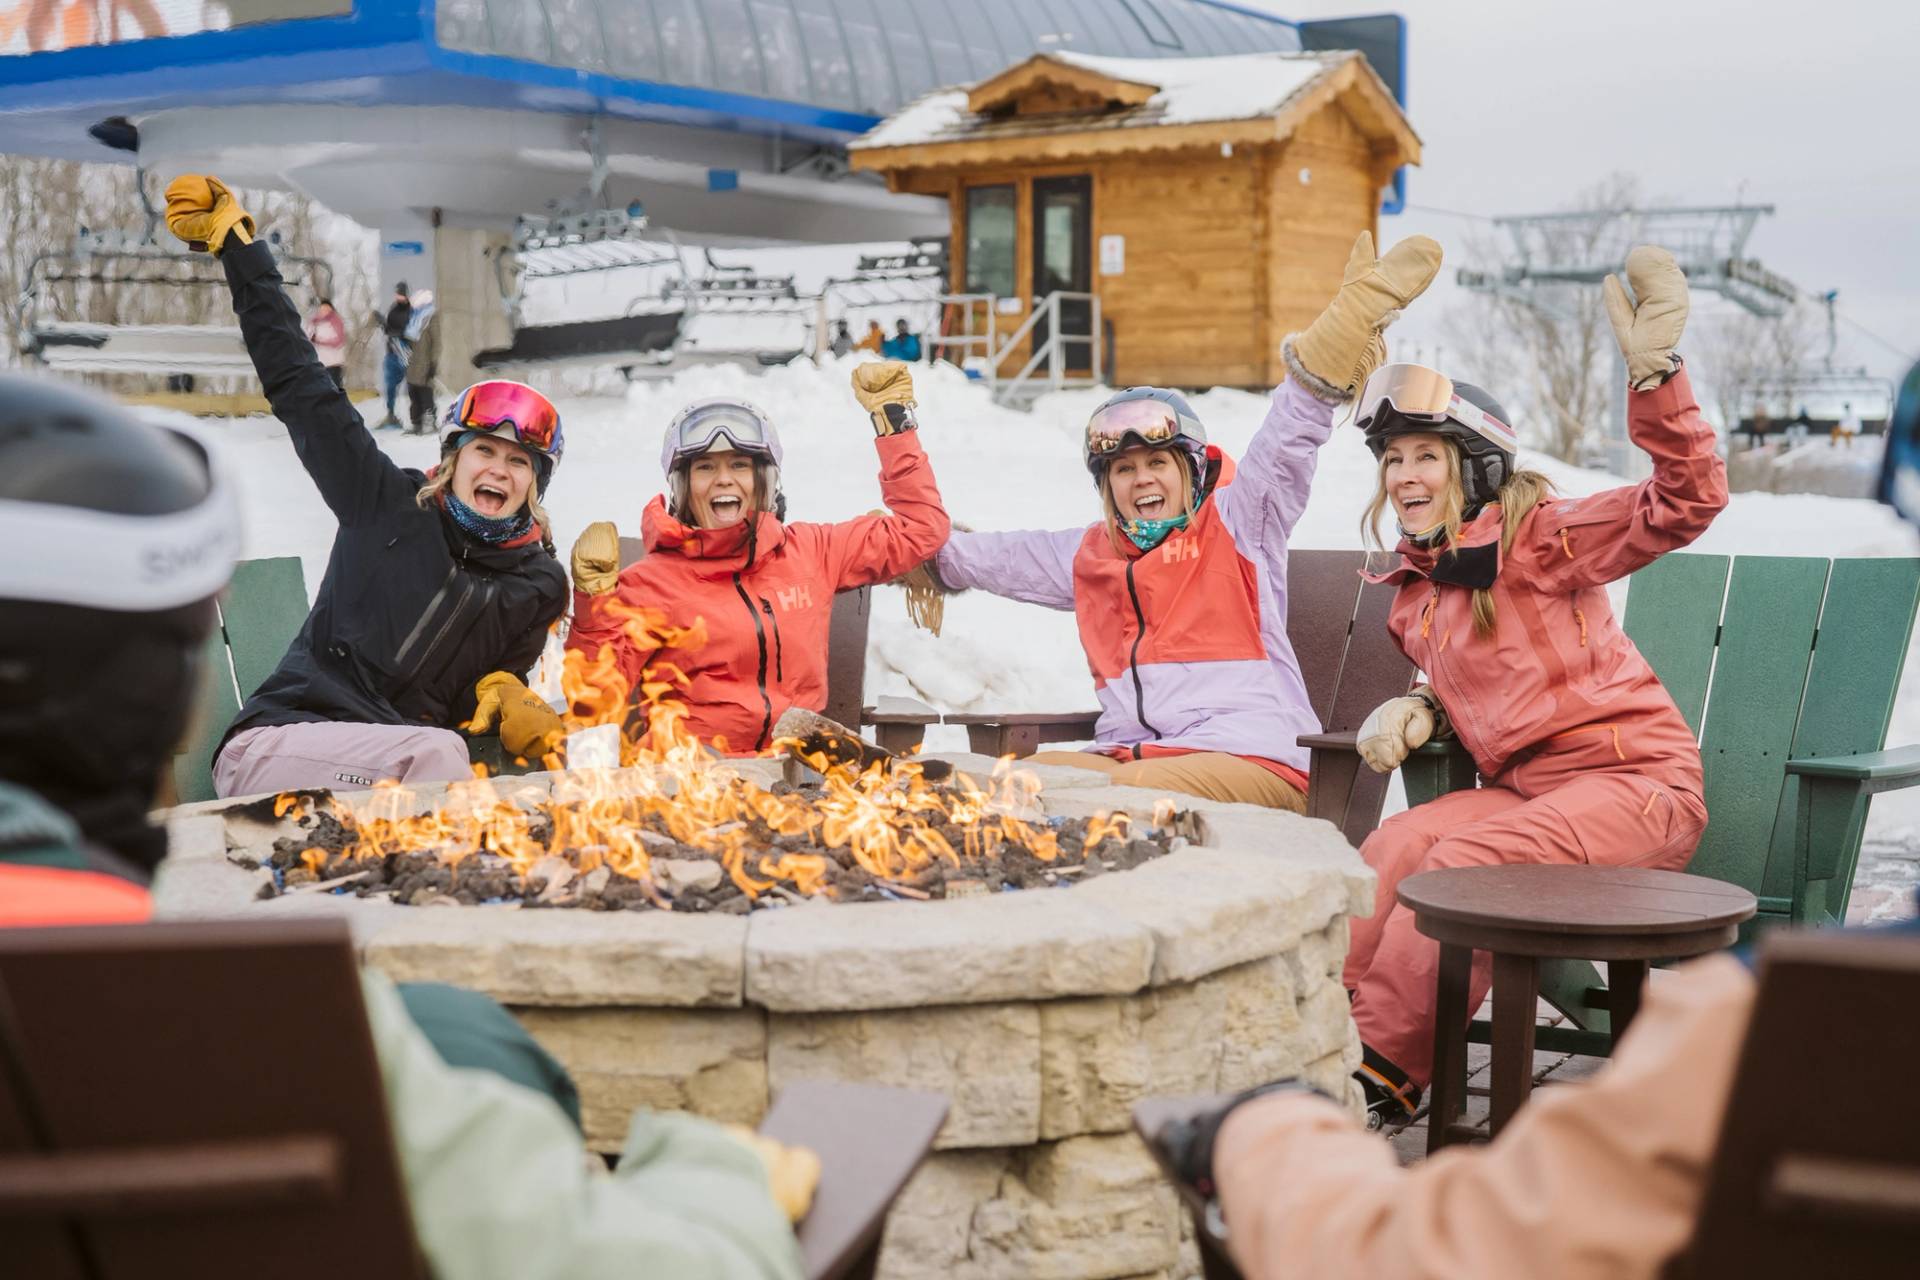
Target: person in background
[(327, 331), (100, 667), (1180, 586), (440, 587), (423, 358), (904, 345), (873, 339), (393, 360), (842, 339)]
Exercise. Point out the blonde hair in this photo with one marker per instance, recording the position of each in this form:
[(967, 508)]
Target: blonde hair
[(441, 481), (1518, 496), (1110, 507)]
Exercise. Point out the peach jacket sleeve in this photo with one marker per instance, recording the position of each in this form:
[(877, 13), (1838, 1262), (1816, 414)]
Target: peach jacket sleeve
[(1599, 1180)]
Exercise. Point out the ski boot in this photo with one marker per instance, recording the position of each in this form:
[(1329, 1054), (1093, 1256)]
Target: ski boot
[(386, 422), (1393, 1102)]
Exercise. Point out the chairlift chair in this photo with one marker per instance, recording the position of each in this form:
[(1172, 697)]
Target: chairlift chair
[(52, 334)]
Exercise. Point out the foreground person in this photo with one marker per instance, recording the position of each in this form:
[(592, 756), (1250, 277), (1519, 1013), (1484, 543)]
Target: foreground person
[(1502, 602), (1180, 590), (435, 581), (99, 670), (719, 552)]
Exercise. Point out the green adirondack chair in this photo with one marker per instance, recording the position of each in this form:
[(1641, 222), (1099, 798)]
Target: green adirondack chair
[(1788, 668), (260, 614)]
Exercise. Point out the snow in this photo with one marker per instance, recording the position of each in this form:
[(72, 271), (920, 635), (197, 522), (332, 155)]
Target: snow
[(1191, 91), (998, 469)]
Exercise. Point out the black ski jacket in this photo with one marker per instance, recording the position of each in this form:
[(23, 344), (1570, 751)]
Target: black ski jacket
[(412, 611)]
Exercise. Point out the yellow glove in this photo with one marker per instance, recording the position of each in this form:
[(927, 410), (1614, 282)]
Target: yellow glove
[(1340, 348), (596, 558), (885, 390), (793, 1173), (1649, 332), (528, 726), (1396, 727), (201, 211)]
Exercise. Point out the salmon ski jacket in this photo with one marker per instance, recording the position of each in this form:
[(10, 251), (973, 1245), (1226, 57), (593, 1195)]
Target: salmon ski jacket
[(1187, 643), (1557, 662), (766, 601)]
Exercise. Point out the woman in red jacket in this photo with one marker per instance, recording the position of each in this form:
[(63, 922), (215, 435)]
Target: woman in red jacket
[(755, 593), (1502, 602)]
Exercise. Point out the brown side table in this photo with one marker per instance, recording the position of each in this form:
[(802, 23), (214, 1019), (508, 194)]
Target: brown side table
[(1625, 916)]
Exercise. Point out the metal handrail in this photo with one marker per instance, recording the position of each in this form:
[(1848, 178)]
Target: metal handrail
[(1054, 348)]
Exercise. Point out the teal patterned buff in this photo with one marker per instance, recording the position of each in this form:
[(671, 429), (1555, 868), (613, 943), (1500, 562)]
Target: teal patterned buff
[(1148, 534)]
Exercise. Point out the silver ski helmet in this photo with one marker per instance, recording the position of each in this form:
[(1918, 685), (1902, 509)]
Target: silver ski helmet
[(1156, 417), (1411, 399), (722, 425)]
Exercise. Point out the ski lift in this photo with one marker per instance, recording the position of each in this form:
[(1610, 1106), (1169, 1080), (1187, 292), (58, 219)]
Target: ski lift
[(1812, 399), (601, 252), (61, 285), (914, 281), (737, 316)]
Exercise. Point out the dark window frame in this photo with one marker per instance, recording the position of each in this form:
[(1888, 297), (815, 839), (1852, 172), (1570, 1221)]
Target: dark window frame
[(973, 281)]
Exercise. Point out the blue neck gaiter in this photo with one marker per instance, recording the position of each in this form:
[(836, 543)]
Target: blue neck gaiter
[(488, 530), (1148, 534)]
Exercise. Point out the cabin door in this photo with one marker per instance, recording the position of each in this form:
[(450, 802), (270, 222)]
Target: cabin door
[(1063, 263)]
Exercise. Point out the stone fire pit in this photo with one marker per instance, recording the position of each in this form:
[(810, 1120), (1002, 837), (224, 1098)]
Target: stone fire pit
[(1045, 1015)]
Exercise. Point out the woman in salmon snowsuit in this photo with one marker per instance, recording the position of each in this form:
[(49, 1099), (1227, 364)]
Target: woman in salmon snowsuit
[(1502, 602), (720, 559), (1180, 592)]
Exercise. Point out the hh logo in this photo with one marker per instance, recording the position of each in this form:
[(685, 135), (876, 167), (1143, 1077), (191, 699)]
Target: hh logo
[(1177, 549), (800, 597)]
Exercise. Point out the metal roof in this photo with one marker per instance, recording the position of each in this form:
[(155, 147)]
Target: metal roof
[(869, 57)]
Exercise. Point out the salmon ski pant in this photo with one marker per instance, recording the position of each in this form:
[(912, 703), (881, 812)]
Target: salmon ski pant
[(1212, 775), (1575, 802)]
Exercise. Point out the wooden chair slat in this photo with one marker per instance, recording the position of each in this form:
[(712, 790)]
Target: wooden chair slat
[(1673, 617), (1374, 669), (265, 607), (1322, 586), (847, 656), (1865, 627), (1773, 607), (109, 1033), (217, 703)]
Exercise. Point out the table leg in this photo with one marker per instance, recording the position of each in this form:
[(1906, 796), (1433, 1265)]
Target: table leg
[(1626, 981), (1516, 999), (1450, 1013)]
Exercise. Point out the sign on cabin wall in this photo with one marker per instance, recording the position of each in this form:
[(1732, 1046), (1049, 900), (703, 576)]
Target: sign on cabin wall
[(1113, 255)]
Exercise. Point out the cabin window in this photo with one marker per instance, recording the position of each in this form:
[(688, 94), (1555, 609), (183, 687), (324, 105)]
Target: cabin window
[(990, 236)]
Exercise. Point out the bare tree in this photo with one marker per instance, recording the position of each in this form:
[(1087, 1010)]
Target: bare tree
[(1748, 360), (1555, 340)]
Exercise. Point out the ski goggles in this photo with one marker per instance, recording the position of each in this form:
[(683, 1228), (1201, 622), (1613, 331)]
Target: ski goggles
[(1151, 422), (700, 427), (488, 407), (1426, 395)]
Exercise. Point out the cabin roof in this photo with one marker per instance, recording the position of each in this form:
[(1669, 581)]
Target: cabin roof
[(1274, 92)]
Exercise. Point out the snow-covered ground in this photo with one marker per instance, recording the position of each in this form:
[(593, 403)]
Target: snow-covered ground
[(1003, 469)]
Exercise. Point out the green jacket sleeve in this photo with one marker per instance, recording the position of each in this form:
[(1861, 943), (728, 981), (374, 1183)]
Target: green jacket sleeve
[(500, 1185)]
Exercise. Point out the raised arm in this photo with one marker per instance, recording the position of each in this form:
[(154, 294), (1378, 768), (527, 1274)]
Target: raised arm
[(1034, 566), (874, 548), (1609, 535), (354, 477), (1269, 489)]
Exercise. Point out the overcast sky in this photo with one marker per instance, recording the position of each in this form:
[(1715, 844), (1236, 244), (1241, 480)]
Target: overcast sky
[(1813, 108)]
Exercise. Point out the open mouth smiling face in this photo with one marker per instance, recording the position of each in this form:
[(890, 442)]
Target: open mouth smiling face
[(1415, 472), (493, 476), (1147, 484), (721, 486)]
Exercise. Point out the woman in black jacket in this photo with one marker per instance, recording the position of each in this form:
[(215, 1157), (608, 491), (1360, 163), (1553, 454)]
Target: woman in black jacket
[(437, 582)]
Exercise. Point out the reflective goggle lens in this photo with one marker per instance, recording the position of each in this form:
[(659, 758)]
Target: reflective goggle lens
[(1153, 421), (1412, 389), (742, 428), (488, 406)]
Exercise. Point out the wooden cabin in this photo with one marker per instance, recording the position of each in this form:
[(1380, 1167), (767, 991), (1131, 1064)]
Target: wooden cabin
[(1209, 203)]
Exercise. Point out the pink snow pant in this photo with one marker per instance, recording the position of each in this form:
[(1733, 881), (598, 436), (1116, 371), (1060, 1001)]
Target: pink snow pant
[(344, 757), (1573, 801)]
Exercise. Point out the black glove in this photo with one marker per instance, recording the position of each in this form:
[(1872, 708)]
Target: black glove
[(1187, 1145)]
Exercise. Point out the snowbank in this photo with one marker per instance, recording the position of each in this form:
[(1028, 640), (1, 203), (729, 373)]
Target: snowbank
[(998, 468)]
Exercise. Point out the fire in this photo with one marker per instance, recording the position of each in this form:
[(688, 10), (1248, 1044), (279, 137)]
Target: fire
[(684, 801)]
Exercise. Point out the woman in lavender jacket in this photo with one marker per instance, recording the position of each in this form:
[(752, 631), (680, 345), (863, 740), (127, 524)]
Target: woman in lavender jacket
[(1180, 592)]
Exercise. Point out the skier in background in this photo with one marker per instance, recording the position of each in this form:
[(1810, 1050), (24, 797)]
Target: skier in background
[(327, 331), (423, 359), (393, 360)]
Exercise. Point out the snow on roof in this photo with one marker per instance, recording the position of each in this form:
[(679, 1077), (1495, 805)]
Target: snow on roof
[(1191, 91)]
